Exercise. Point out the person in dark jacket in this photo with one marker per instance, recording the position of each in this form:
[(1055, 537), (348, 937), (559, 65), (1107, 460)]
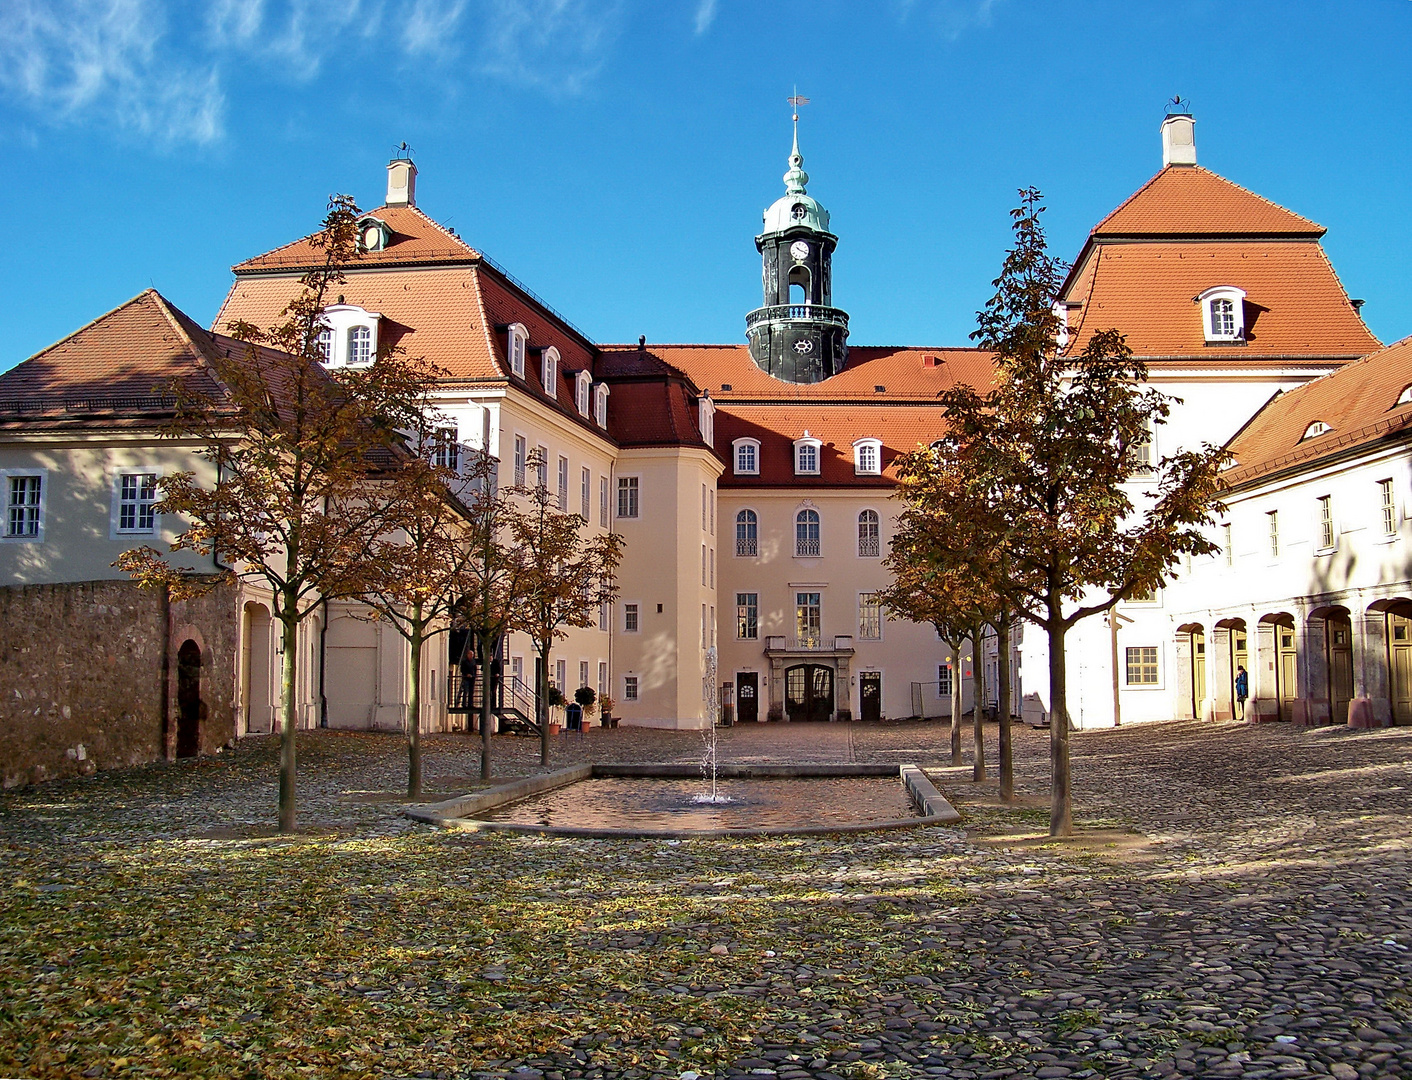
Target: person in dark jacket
[(1242, 689)]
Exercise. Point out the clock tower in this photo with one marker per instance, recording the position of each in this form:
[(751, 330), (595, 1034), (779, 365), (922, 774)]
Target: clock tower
[(797, 336)]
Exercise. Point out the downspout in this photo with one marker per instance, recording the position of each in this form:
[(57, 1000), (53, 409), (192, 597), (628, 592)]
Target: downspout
[(323, 653), (166, 688)]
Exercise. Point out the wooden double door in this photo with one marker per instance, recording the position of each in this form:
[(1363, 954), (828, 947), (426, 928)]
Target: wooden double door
[(808, 692)]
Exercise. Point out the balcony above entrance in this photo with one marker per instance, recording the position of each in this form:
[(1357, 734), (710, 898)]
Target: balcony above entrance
[(835, 645)]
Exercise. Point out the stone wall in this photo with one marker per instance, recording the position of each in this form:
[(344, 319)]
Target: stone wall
[(88, 676)]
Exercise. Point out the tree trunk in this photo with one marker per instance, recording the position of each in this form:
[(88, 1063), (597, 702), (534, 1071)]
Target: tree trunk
[(414, 706), (1061, 814), (483, 651), (541, 705), (956, 700), (289, 627), (977, 705), (1007, 753)]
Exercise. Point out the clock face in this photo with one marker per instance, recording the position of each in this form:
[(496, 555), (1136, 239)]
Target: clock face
[(800, 250)]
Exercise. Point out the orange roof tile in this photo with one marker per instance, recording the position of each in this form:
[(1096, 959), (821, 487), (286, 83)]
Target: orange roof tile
[(1358, 402), (1295, 305), (1187, 200), (415, 239)]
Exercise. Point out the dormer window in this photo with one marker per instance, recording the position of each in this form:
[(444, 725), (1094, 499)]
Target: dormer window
[(706, 420), (1405, 398), (600, 405), (373, 235), (349, 337), (1223, 315), (746, 453), (516, 344), (1314, 430), (867, 457), (806, 456), (549, 371), (583, 383)]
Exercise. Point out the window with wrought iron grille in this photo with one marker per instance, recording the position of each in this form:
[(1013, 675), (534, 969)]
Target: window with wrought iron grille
[(627, 496), (520, 456), (137, 495), (1142, 666), (24, 503), (868, 543), (747, 615), (806, 533), (747, 529)]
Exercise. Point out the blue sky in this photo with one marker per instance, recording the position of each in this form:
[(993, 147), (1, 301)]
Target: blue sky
[(616, 154)]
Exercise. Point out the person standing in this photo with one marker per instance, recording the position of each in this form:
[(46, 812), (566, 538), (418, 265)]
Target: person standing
[(1242, 689)]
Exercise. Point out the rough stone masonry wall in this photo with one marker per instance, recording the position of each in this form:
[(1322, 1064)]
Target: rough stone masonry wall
[(88, 676)]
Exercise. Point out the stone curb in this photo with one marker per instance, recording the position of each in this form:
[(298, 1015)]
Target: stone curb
[(456, 813)]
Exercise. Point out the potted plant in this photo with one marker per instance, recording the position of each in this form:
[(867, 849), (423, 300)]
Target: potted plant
[(605, 712), (555, 699)]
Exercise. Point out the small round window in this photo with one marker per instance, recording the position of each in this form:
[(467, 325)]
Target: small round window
[(798, 211)]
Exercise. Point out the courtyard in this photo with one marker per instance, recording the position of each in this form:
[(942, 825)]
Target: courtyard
[(1236, 904)]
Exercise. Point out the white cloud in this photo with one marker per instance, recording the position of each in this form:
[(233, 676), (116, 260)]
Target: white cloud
[(73, 59), (951, 17), (159, 68), (705, 15)]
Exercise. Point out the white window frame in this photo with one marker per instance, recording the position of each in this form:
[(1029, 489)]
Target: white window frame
[(632, 487), (750, 548), (801, 544), (632, 613), (706, 420), (563, 478), (861, 449), (1272, 529), (115, 529), (1326, 530), (862, 599), (516, 344), (1314, 430), (1387, 508), (1142, 457), (549, 371), (631, 688), (738, 453), (542, 468), (6, 475), (604, 500), (876, 523), (357, 355), (747, 616), (807, 442), (447, 452), (585, 493), (600, 405), (339, 320), (1404, 398), (1208, 301), (521, 460), (1156, 684), (583, 383)]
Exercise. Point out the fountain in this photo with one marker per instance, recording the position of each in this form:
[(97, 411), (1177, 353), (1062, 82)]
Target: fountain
[(709, 761)]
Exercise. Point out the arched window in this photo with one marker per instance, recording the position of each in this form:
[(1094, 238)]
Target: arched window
[(747, 457), (516, 343), (1223, 309), (600, 408), (806, 533), (867, 457), (806, 455), (582, 384), (360, 345), (747, 531), (868, 545), (549, 371)]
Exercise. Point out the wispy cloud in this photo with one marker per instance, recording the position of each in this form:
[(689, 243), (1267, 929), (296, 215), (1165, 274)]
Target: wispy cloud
[(705, 15), (70, 60), (951, 17), (156, 69)]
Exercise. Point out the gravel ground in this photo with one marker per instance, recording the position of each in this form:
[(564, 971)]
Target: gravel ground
[(1236, 904)]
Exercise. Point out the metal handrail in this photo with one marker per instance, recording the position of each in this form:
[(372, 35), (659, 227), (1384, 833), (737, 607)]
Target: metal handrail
[(812, 312)]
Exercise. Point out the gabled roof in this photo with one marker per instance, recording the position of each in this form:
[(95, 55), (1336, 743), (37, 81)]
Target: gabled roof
[(115, 369), (416, 240), (1187, 200), (1358, 402)]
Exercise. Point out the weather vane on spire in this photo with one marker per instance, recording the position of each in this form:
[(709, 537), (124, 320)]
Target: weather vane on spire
[(796, 100)]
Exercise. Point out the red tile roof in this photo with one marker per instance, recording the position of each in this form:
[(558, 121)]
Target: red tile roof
[(416, 239), (1358, 402), (116, 368), (1295, 304), (1187, 200)]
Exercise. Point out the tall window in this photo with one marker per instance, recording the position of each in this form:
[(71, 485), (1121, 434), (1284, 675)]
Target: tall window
[(603, 615), (1230, 551), (806, 457), (629, 687), (705, 632), (326, 345), (943, 680), (517, 350), (869, 617), (581, 388), (868, 547), (1222, 319), (520, 454), (602, 677), (24, 503), (1326, 522), (711, 561), (603, 501), (627, 496), (360, 345), (746, 534), (808, 620), (703, 507), (1142, 666), (747, 615), (583, 672), (585, 493), (600, 406), (541, 456), (867, 457), (747, 457), (137, 495), (549, 372), (561, 674), (447, 456), (563, 483), (1140, 455), (630, 620), (1385, 498), (703, 564), (806, 533), (1274, 516)]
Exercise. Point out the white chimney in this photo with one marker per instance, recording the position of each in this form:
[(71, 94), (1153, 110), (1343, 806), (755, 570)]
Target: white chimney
[(401, 182), (1178, 140)]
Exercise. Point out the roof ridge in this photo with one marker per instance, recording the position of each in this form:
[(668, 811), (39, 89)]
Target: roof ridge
[(1097, 230)]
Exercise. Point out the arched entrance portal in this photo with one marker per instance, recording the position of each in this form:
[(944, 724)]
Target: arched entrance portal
[(188, 735), (1336, 691), (257, 670), (1195, 635), (1399, 659), (808, 692), (1232, 653), (1283, 664)]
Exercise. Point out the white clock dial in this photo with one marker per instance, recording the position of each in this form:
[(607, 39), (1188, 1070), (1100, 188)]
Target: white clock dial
[(800, 250)]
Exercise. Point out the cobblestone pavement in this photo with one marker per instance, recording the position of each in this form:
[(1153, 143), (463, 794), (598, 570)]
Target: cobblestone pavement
[(1236, 905)]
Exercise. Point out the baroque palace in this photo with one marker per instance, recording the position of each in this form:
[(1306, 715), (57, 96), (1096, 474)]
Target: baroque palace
[(752, 484)]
